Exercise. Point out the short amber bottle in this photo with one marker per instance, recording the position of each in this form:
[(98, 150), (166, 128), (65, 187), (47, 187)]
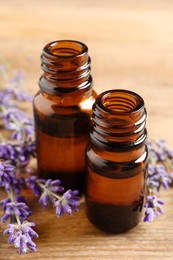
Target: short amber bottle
[(116, 161), (62, 112)]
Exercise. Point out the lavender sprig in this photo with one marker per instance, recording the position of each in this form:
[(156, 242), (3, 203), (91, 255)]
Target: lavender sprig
[(18, 122), (19, 230), (16, 208), (51, 191), (8, 178), (159, 175), (153, 208), (21, 235), (67, 203), (18, 153)]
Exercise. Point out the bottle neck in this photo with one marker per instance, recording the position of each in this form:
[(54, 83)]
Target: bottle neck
[(66, 67), (119, 119)]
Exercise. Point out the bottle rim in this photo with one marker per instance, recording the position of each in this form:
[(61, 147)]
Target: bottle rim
[(81, 49), (129, 102)]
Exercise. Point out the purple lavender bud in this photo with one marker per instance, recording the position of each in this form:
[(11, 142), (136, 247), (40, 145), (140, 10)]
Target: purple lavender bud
[(22, 235), (26, 229), (5, 217), (18, 122), (32, 183), (54, 185), (12, 208), (153, 208), (149, 215), (20, 199), (4, 203), (50, 188), (66, 208), (42, 181), (7, 151), (11, 238), (161, 202), (19, 209), (59, 208), (158, 177), (11, 232), (150, 169), (24, 152), (21, 243), (44, 199), (7, 175), (7, 200), (67, 203), (31, 245)]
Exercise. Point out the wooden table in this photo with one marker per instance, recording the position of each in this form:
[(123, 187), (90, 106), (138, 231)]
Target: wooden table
[(131, 45)]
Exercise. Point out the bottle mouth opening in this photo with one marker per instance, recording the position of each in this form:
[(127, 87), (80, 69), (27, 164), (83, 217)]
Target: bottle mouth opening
[(120, 102), (65, 49)]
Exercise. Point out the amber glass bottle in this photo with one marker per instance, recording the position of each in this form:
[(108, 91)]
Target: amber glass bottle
[(62, 111), (116, 161)]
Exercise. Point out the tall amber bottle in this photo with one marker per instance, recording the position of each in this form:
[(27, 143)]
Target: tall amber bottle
[(62, 110), (116, 161)]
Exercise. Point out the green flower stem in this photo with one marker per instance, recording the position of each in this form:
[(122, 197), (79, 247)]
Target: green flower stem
[(55, 195)]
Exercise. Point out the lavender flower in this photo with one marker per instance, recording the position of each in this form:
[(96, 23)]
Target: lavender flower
[(19, 231), (5, 201), (25, 151), (50, 191), (7, 151), (18, 122), (50, 188), (7, 175), (67, 203), (8, 178), (21, 235), (19, 209), (18, 153), (158, 177), (153, 208), (34, 185)]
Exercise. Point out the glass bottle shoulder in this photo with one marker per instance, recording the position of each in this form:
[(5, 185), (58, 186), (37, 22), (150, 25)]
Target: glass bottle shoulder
[(109, 163), (48, 105)]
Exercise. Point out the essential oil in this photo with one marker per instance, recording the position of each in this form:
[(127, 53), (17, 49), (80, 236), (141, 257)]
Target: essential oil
[(62, 112), (116, 161)]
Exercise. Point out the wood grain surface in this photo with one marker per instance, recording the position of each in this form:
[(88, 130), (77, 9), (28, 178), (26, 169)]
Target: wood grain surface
[(131, 46)]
